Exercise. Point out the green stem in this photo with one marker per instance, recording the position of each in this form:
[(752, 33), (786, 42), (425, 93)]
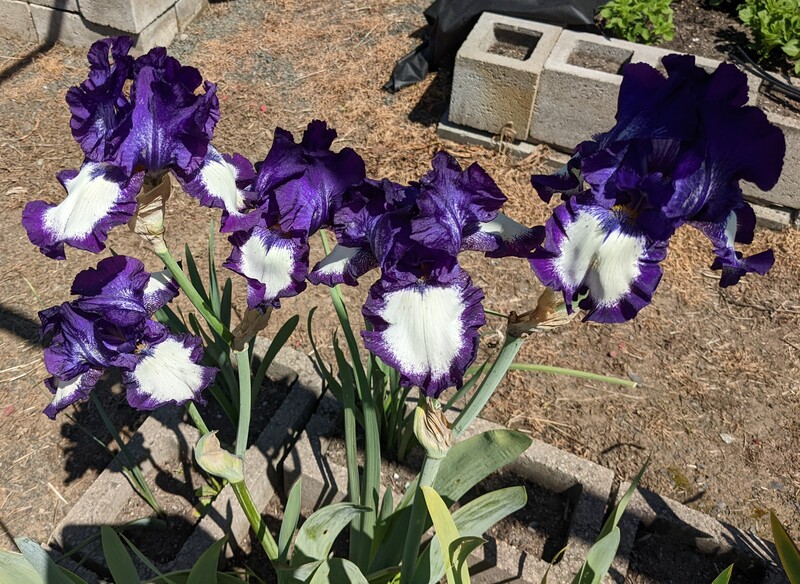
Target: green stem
[(416, 524), (256, 521), (136, 472), (200, 424), (245, 407), (193, 295), (504, 359), (571, 372)]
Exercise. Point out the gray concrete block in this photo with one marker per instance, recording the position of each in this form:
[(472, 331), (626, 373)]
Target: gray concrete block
[(68, 5), (16, 21), (496, 74), (159, 33), (773, 218), (67, 27), (447, 130), (187, 11), (786, 193), (577, 95), (126, 15), (684, 526)]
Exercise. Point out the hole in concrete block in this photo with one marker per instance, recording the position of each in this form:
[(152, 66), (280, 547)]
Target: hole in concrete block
[(663, 553), (603, 58), (516, 43)]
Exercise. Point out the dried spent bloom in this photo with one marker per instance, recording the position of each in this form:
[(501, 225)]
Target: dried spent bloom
[(424, 311), (109, 325), (162, 125), (676, 155)]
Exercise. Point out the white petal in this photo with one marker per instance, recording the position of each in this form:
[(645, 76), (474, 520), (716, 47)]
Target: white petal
[(425, 330), (167, 373), (506, 228), (335, 263), (272, 267), (90, 197), (219, 179)]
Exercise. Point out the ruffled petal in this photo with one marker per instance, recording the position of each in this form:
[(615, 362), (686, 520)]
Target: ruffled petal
[(171, 125), (114, 289), (221, 182), (100, 111), (591, 249), (168, 372), (99, 197), (69, 391), (344, 265), (504, 237), (426, 329), (738, 227), (275, 265), (160, 290), (453, 203)]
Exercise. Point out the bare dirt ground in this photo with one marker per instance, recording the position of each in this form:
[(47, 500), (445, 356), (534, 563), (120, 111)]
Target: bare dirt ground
[(710, 362)]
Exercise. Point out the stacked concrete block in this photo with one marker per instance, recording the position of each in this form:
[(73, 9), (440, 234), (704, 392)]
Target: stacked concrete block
[(78, 24), (577, 95), (786, 193), (497, 72)]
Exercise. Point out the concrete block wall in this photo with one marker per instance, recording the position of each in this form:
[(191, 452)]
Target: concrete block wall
[(78, 23)]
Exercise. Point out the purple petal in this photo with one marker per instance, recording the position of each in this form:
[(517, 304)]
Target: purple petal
[(307, 180), (69, 391), (100, 111), (160, 290), (171, 125), (344, 265), (426, 329), (115, 290), (168, 371), (504, 237), (453, 203), (594, 249), (275, 265), (99, 197), (221, 182)]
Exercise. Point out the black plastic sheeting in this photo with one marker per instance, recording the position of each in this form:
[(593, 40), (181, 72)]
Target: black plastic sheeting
[(451, 21)]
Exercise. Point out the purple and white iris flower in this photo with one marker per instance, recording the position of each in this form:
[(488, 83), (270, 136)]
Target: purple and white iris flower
[(295, 193), (162, 125), (676, 155), (109, 325), (424, 312)]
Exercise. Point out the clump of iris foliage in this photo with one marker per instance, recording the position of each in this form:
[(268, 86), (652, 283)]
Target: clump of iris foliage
[(676, 156)]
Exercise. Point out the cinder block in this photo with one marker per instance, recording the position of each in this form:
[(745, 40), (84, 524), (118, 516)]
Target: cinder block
[(187, 11), (16, 22), (685, 526), (126, 15), (68, 5), (159, 33), (496, 74), (786, 193), (447, 130), (578, 89), (773, 218), (67, 27)]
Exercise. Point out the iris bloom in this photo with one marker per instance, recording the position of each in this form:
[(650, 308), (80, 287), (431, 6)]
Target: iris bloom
[(162, 125), (424, 311), (676, 155), (109, 325), (294, 194)]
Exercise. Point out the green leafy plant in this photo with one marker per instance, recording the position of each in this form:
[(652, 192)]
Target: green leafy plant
[(775, 25), (787, 550), (646, 21)]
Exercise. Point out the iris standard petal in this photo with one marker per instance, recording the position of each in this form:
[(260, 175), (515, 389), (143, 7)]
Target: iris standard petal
[(114, 289), (426, 329), (274, 264), (344, 265), (168, 371), (160, 290), (99, 197), (69, 391), (592, 249), (221, 182)]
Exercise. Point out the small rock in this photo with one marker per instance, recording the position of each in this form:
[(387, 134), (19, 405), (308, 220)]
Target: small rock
[(727, 438), (183, 36), (718, 508), (396, 476), (532, 526), (776, 485), (8, 410), (635, 377)]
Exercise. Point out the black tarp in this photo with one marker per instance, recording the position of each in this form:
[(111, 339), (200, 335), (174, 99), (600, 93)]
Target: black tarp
[(451, 21)]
